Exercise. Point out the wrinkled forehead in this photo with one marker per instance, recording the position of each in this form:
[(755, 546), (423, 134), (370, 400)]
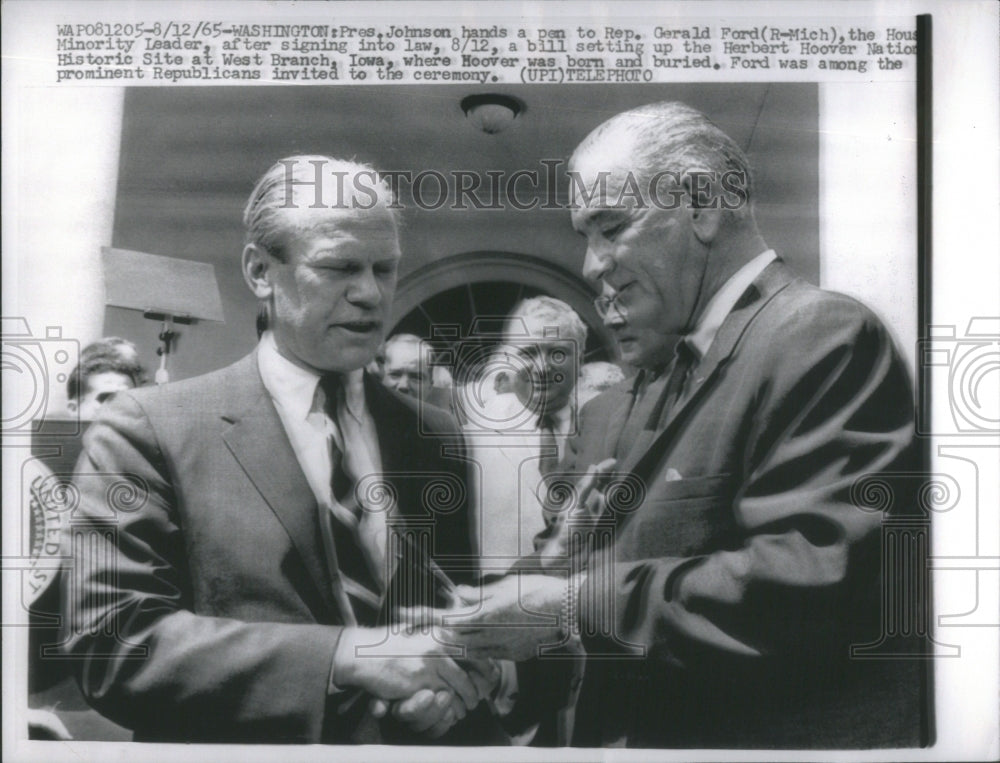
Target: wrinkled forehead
[(367, 221), (539, 329), (537, 335)]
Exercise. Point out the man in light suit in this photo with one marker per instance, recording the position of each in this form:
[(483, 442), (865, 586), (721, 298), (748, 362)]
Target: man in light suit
[(237, 534), (730, 572), (517, 438)]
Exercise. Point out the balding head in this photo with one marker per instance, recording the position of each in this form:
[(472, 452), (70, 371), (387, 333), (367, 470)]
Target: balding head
[(665, 142)]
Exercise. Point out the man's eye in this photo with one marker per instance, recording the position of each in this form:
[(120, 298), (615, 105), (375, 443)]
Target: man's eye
[(613, 230), (337, 267), (385, 270)]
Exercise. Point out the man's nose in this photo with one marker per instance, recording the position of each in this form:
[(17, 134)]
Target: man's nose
[(614, 319), (364, 290), (596, 263)]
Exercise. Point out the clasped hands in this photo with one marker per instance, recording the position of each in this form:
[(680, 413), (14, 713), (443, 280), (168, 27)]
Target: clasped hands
[(431, 674), (430, 677)]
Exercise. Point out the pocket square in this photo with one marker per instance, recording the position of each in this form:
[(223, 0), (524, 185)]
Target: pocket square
[(672, 475)]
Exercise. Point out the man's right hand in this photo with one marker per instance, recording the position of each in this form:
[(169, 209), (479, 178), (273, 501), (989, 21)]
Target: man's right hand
[(399, 667), (427, 712)]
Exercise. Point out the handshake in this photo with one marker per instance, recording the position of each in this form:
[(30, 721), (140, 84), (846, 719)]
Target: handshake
[(429, 676)]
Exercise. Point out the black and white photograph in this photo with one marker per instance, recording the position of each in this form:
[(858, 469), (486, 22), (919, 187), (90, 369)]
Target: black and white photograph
[(500, 381)]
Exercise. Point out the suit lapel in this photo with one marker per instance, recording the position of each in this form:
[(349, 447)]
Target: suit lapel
[(393, 429), (772, 280), (258, 441), (620, 414)]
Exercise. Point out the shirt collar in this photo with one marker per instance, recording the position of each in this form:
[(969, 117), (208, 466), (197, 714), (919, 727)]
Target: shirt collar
[(562, 419), (295, 387), (725, 299)]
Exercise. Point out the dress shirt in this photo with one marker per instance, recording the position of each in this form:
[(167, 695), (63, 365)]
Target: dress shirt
[(299, 401), (723, 302), (562, 427)]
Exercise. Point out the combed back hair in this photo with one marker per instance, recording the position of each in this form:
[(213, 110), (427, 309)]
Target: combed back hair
[(553, 313), (670, 136), (426, 352), (109, 355), (290, 198)]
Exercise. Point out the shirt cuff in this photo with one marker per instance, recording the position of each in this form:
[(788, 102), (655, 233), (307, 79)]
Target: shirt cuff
[(331, 685)]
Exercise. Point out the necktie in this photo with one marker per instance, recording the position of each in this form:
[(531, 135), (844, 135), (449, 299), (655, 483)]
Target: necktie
[(684, 361), (351, 552), (548, 445), (647, 392), (655, 398)]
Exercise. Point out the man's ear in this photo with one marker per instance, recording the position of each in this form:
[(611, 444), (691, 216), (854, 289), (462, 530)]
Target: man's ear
[(704, 208), (72, 406), (257, 270)]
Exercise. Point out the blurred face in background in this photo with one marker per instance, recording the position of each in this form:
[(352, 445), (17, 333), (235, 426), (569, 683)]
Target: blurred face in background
[(545, 368), (98, 388), (406, 369)]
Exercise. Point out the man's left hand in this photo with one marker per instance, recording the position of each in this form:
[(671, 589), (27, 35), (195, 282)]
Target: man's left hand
[(509, 619)]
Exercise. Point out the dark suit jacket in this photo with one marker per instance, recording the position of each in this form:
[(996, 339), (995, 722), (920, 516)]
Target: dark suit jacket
[(199, 597), (743, 571)]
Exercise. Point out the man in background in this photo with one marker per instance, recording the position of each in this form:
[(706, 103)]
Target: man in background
[(518, 437), (106, 366), (408, 368)]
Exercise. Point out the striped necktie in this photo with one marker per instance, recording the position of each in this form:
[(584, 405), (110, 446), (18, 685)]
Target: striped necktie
[(548, 458), (342, 523)]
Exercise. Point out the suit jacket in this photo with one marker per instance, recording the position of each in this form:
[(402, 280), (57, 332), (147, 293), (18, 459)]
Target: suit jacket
[(199, 599), (740, 570)]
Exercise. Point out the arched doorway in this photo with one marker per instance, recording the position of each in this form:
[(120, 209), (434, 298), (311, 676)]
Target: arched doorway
[(459, 302)]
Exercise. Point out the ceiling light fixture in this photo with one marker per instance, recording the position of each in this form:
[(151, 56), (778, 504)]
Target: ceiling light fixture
[(492, 112)]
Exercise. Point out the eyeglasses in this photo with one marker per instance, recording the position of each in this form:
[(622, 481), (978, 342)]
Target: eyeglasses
[(604, 305)]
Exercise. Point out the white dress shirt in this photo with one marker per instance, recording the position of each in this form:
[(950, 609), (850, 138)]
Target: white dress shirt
[(299, 401), (563, 427), (723, 302)]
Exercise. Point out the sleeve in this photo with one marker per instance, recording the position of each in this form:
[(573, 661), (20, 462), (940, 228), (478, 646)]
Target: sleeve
[(144, 658), (832, 403)]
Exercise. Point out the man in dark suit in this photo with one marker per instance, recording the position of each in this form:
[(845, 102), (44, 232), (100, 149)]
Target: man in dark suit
[(238, 534), (719, 571)]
